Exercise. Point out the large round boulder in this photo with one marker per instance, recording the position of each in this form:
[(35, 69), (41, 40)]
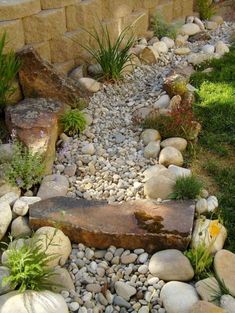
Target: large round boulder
[(224, 265), (55, 243), (149, 135), (171, 264), (159, 187), (32, 301), (178, 297), (169, 156)]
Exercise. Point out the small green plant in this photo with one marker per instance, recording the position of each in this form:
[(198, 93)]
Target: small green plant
[(113, 57), (205, 8), (73, 122), (9, 67), (28, 266), (25, 168), (162, 29), (201, 260), (187, 187)]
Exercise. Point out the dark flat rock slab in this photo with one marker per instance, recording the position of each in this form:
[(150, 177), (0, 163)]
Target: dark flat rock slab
[(131, 225)]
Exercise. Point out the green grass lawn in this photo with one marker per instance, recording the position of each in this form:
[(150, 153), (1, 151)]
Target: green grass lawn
[(215, 110)]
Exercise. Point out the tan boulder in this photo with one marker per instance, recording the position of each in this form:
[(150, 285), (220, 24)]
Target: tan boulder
[(159, 187), (224, 265), (170, 155), (207, 288), (149, 55), (206, 307), (55, 243)]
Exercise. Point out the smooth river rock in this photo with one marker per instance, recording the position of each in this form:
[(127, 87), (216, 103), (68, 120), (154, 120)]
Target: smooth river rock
[(178, 297), (171, 265), (224, 265)]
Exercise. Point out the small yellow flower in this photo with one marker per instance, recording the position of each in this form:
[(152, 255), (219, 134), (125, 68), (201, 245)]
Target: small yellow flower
[(214, 228)]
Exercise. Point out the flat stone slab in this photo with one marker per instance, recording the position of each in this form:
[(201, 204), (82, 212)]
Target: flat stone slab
[(131, 225)]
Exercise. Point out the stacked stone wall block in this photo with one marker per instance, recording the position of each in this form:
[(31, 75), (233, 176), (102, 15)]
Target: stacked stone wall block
[(118, 8), (55, 4), (138, 20), (15, 34), (12, 10), (64, 67), (43, 49), (86, 14), (45, 25)]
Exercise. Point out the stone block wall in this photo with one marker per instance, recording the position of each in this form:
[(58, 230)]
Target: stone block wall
[(56, 27)]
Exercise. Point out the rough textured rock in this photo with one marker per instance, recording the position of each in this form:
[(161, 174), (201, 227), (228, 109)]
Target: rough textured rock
[(175, 85), (59, 246), (97, 224), (40, 79), (225, 270), (207, 288), (206, 307), (178, 297), (169, 156), (41, 302), (53, 186), (35, 122), (171, 265), (6, 152), (5, 218), (159, 187)]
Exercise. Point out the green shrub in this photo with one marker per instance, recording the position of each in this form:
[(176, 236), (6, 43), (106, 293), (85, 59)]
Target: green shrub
[(187, 187), (25, 168), (113, 57), (201, 260), (28, 266), (205, 8), (163, 29), (9, 67), (73, 122)]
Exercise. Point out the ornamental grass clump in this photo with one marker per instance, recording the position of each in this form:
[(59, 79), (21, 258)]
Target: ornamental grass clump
[(28, 266), (112, 56), (9, 67), (187, 187), (25, 168), (73, 122), (163, 29), (205, 8)]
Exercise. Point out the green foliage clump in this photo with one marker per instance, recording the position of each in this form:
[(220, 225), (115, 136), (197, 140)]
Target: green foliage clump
[(201, 260), (9, 67), (205, 8), (112, 56), (28, 266), (163, 29), (187, 187), (25, 168), (215, 109), (73, 122)]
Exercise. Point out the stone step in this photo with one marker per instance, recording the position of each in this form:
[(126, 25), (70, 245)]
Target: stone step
[(130, 225)]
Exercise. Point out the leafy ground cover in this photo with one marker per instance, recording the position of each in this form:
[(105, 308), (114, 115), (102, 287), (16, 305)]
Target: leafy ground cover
[(215, 109)]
